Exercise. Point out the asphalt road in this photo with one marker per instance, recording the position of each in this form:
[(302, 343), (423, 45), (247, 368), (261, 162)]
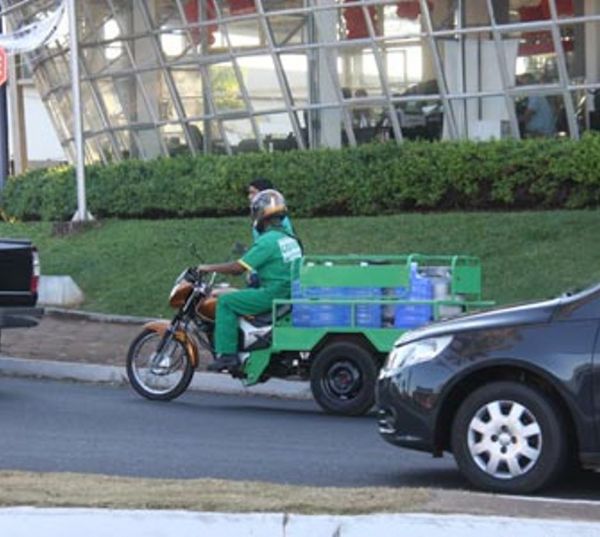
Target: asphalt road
[(54, 426), (64, 426)]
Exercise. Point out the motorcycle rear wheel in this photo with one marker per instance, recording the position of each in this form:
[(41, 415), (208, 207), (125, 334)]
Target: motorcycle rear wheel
[(159, 378)]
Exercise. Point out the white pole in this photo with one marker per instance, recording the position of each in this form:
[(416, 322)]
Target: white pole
[(82, 214)]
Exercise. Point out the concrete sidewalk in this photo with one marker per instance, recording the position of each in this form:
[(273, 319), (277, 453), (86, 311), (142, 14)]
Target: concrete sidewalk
[(202, 381), (27, 521), (92, 347)]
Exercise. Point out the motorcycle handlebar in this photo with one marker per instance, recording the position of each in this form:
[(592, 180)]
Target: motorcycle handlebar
[(194, 275)]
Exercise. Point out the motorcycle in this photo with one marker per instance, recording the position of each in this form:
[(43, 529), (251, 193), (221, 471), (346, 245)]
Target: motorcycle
[(341, 366), (162, 359)]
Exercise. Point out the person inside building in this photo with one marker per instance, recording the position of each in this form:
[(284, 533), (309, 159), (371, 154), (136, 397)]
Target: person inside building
[(362, 117), (538, 117), (271, 257)]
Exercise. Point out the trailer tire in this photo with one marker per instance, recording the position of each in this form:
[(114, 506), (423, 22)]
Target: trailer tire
[(342, 378)]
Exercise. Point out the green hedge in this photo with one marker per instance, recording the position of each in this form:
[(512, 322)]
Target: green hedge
[(370, 179)]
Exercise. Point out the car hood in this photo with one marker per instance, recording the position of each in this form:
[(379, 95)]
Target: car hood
[(532, 313)]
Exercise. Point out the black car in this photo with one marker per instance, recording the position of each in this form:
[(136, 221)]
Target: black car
[(513, 393)]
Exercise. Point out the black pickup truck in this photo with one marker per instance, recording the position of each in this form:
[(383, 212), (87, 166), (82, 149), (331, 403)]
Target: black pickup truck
[(19, 278)]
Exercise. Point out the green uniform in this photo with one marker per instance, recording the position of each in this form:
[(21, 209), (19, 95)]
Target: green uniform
[(271, 257)]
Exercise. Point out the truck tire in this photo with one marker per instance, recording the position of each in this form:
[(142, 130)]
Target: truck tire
[(508, 437), (342, 378)]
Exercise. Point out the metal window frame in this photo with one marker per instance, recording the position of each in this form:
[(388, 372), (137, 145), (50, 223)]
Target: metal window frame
[(504, 76), (334, 78), (270, 49), (207, 95), (383, 77), (439, 69), (168, 77), (99, 103), (563, 74), (136, 74), (284, 86), (241, 82)]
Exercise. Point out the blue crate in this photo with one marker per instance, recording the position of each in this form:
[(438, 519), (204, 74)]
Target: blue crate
[(409, 316), (367, 315), (318, 315)]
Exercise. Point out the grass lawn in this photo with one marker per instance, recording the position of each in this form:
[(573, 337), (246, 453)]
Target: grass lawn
[(128, 266), (68, 490)]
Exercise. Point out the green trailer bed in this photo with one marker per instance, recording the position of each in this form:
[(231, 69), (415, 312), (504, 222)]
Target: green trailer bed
[(458, 290)]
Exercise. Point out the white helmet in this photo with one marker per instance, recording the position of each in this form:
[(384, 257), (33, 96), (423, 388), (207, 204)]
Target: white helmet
[(266, 204)]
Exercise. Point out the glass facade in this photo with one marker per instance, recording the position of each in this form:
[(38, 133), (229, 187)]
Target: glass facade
[(165, 77)]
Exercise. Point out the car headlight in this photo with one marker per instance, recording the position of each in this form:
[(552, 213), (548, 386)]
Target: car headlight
[(415, 353)]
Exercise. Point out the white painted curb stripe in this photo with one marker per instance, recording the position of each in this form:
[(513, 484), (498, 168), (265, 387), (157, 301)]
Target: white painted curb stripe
[(28, 521)]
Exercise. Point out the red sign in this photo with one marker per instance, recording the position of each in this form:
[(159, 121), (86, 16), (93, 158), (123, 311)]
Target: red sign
[(241, 7), (356, 23), (411, 9), (192, 14), (3, 66), (540, 41)]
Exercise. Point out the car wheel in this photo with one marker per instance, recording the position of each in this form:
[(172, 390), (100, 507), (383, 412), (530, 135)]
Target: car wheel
[(342, 378), (509, 437)]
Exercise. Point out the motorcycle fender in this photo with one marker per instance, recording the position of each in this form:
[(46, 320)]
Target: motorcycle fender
[(160, 327)]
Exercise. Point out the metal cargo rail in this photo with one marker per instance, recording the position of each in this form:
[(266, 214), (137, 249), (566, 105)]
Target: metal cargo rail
[(380, 272)]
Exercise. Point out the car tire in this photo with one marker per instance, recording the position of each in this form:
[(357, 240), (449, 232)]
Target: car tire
[(342, 378), (509, 437)]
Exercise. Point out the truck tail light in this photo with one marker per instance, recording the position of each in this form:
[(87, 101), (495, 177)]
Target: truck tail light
[(35, 275)]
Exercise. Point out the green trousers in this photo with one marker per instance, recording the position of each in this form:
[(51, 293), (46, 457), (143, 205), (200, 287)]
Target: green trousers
[(229, 307)]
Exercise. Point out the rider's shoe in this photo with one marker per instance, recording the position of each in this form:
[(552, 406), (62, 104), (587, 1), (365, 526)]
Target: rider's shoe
[(225, 361)]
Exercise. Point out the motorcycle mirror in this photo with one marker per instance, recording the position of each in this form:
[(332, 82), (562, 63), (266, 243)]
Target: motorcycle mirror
[(194, 250), (238, 249)]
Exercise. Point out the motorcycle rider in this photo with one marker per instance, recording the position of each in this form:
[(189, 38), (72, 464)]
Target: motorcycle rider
[(271, 257), (258, 184)]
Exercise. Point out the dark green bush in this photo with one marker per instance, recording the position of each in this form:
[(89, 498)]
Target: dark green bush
[(370, 179)]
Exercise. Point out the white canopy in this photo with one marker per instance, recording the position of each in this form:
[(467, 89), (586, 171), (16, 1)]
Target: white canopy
[(32, 36)]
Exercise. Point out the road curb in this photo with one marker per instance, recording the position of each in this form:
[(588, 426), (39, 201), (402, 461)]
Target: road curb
[(72, 522), (65, 313), (202, 382)]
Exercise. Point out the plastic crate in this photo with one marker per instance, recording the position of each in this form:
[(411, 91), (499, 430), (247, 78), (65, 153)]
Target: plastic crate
[(323, 314), (366, 315), (320, 314), (413, 315)]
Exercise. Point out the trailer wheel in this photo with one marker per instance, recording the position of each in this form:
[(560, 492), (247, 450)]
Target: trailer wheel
[(342, 378)]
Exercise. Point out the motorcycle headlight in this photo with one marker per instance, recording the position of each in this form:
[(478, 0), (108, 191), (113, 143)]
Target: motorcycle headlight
[(173, 291), (417, 352)]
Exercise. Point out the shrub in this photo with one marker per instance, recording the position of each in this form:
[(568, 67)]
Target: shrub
[(369, 179)]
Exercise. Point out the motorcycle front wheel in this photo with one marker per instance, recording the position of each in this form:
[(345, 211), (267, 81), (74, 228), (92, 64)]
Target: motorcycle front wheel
[(158, 376)]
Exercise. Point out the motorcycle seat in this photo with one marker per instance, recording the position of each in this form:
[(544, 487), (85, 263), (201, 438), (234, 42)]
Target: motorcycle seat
[(265, 319)]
